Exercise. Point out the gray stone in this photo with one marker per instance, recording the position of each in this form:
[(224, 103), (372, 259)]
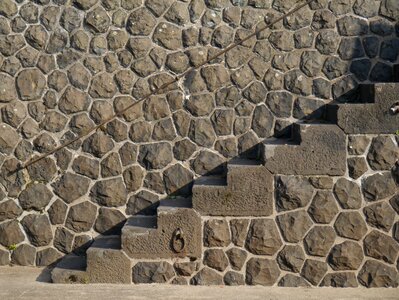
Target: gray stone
[(10, 233), (38, 229), (97, 20), (36, 36), (237, 258), (263, 237), (155, 156), (110, 192), (350, 225), (296, 82), (183, 149), (109, 221), (53, 121), (143, 203), (381, 246), (294, 225), (57, 212), (261, 271), (152, 272), (140, 22), (346, 256), (215, 77), (133, 178), (8, 139), (167, 35), (30, 84), (291, 258), (9, 210), (348, 194), (128, 153), (24, 255), (389, 8), (340, 279), (262, 121), (357, 166), (323, 208), (357, 144), (111, 166), (47, 257), (4, 258), (98, 144), (81, 217), (291, 280), (380, 215), (63, 240), (293, 192), (377, 274), (102, 86), (35, 196), (239, 229), (154, 181), (215, 259), (319, 240), (13, 114), (207, 163), (383, 153), (7, 88), (379, 186), (352, 26), (178, 180), (314, 271), (327, 42), (201, 132), (216, 233), (84, 4), (207, 276), (10, 44), (86, 166), (233, 279), (70, 187)]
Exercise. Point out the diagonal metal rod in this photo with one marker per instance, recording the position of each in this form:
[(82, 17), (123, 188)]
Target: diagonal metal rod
[(155, 91)]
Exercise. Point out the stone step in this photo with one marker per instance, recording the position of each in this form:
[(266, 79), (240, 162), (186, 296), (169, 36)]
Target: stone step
[(70, 269), (375, 116), (107, 263), (235, 195), (314, 149), (174, 232)]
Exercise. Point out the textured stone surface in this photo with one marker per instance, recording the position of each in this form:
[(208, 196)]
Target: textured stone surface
[(323, 208), (216, 259), (216, 233), (319, 240), (294, 225), (38, 229), (346, 256), (380, 246), (207, 276), (380, 215), (261, 271), (150, 272), (293, 192), (314, 270), (348, 194), (379, 186), (291, 258), (377, 274), (350, 225), (263, 237)]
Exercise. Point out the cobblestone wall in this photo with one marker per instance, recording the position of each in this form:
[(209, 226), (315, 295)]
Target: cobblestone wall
[(68, 65)]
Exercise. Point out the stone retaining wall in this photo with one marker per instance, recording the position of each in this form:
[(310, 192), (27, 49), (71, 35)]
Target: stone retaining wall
[(66, 65)]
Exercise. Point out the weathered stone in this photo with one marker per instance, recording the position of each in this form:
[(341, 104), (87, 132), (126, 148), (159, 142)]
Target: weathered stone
[(380, 215), (109, 221), (84, 4), (357, 145), (352, 26), (233, 278), (185, 268), (215, 77), (207, 276), (35, 196), (143, 203), (216, 259), (8, 139), (340, 279), (350, 225), (383, 153), (294, 225), (86, 166), (4, 258), (152, 272), (36, 36), (291, 280), (183, 149), (43, 170), (263, 237), (237, 258), (98, 144), (262, 121), (73, 101), (381, 246), (167, 35), (216, 233), (10, 233), (346, 256), (102, 86), (63, 240), (111, 166), (7, 88), (239, 229), (207, 163), (323, 208), (377, 274), (291, 258), (261, 271), (30, 84), (379, 186), (201, 132), (319, 240), (327, 42), (357, 166), (38, 229), (314, 271), (178, 180), (71, 187), (110, 192), (155, 156), (57, 212), (9, 210), (293, 192), (13, 114), (24, 255), (81, 217), (164, 130), (47, 257), (348, 194)]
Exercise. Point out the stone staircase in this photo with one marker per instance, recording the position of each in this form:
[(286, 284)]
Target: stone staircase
[(175, 234)]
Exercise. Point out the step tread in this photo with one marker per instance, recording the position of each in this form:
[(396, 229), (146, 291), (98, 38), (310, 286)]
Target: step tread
[(140, 224), (72, 262), (106, 242), (173, 203), (211, 181), (239, 162)]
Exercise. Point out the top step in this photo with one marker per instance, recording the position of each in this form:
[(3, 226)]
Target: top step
[(380, 115)]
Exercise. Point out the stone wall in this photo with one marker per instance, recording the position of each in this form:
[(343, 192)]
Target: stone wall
[(68, 65)]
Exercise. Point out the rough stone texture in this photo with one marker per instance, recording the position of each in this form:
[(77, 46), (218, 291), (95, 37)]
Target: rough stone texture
[(261, 271), (291, 258), (379, 186), (293, 192), (319, 240), (263, 237), (348, 194), (24, 255), (383, 153), (381, 246), (380, 215), (340, 279), (38, 229), (216, 259), (346, 256), (314, 271), (216, 233), (350, 225), (207, 276), (377, 274), (294, 225), (323, 208)]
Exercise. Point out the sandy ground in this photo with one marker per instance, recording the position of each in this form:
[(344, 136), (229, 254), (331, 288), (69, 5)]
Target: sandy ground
[(30, 283)]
